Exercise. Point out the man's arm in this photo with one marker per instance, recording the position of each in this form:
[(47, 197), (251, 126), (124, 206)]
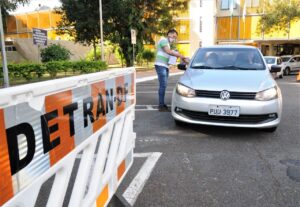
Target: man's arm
[(173, 53)]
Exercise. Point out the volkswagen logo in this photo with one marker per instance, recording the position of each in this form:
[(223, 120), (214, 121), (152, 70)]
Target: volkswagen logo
[(225, 95)]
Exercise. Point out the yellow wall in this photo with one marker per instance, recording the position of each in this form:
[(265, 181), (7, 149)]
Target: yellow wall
[(184, 49), (249, 29), (20, 26), (223, 28), (183, 28), (295, 29)]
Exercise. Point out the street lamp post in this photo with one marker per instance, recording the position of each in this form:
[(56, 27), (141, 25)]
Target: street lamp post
[(3, 52), (101, 30)]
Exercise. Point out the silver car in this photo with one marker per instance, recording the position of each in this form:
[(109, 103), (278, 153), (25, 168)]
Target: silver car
[(228, 86)]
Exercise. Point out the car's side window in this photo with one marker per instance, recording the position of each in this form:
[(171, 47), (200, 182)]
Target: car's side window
[(292, 60)]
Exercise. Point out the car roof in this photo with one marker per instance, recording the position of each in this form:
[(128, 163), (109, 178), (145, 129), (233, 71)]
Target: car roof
[(231, 46)]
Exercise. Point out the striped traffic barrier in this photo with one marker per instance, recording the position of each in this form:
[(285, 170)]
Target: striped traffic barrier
[(66, 142)]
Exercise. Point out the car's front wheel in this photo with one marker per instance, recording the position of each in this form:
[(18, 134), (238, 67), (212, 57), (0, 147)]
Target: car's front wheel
[(179, 123), (270, 130), (287, 71)]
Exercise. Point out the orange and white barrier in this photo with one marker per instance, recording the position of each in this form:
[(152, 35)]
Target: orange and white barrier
[(68, 141), (298, 76)]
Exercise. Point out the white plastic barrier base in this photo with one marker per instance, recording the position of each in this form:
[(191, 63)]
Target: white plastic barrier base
[(66, 142)]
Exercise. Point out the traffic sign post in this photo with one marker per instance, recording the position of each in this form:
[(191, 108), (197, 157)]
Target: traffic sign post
[(3, 52), (40, 38), (133, 42)]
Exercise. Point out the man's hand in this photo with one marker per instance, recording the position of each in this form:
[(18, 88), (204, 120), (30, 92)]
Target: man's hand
[(186, 60)]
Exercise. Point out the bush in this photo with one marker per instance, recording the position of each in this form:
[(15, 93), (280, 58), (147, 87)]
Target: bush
[(55, 53), (84, 66), (28, 71), (53, 68), (148, 55), (139, 59)]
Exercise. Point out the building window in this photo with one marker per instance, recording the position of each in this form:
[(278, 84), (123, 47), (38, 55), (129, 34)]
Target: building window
[(252, 3), (226, 4), (200, 3), (200, 24), (10, 48)]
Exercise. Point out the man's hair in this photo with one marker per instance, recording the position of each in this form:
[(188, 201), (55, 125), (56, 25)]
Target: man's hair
[(172, 31)]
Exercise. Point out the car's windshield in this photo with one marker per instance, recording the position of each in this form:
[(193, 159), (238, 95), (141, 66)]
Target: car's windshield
[(270, 60), (228, 59), (285, 59)]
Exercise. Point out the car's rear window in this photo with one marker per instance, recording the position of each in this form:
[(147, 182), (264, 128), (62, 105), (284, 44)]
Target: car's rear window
[(270, 60), (228, 58)]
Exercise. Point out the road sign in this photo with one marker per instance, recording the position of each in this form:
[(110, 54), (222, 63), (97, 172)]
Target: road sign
[(133, 36), (39, 37)]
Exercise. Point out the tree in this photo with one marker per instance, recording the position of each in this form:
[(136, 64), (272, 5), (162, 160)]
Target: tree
[(55, 53), (278, 15), (80, 19), (148, 17)]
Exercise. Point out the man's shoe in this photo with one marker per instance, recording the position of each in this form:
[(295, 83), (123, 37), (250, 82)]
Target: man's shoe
[(163, 108)]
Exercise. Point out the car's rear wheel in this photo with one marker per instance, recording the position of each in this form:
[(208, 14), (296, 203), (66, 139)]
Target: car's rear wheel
[(287, 71), (270, 130)]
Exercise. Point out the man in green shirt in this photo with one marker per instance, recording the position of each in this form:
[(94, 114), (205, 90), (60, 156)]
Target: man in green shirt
[(162, 64)]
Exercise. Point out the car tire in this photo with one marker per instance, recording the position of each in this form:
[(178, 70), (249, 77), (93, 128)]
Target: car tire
[(287, 71), (281, 76), (270, 130), (179, 123)]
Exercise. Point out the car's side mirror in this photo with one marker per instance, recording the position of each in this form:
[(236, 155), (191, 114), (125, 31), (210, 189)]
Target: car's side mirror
[(275, 69), (181, 66)]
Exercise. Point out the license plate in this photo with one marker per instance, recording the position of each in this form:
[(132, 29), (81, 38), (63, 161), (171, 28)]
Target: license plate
[(224, 111)]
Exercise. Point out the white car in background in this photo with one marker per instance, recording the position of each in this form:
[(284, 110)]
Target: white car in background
[(290, 63), (273, 60)]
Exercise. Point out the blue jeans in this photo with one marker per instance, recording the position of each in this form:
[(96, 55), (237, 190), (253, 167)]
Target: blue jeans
[(163, 74)]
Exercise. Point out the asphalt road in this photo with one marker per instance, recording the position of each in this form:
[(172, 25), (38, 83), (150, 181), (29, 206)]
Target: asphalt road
[(215, 166)]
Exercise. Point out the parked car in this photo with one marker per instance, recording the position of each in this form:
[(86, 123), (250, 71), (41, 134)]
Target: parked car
[(291, 63), (273, 60), (228, 86)]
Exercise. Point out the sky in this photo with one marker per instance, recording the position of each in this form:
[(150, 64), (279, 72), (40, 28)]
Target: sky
[(34, 4)]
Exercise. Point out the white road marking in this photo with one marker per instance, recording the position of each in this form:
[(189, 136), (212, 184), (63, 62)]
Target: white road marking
[(187, 162), (146, 110), (140, 155), (285, 83), (147, 107), (136, 186), (140, 80)]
